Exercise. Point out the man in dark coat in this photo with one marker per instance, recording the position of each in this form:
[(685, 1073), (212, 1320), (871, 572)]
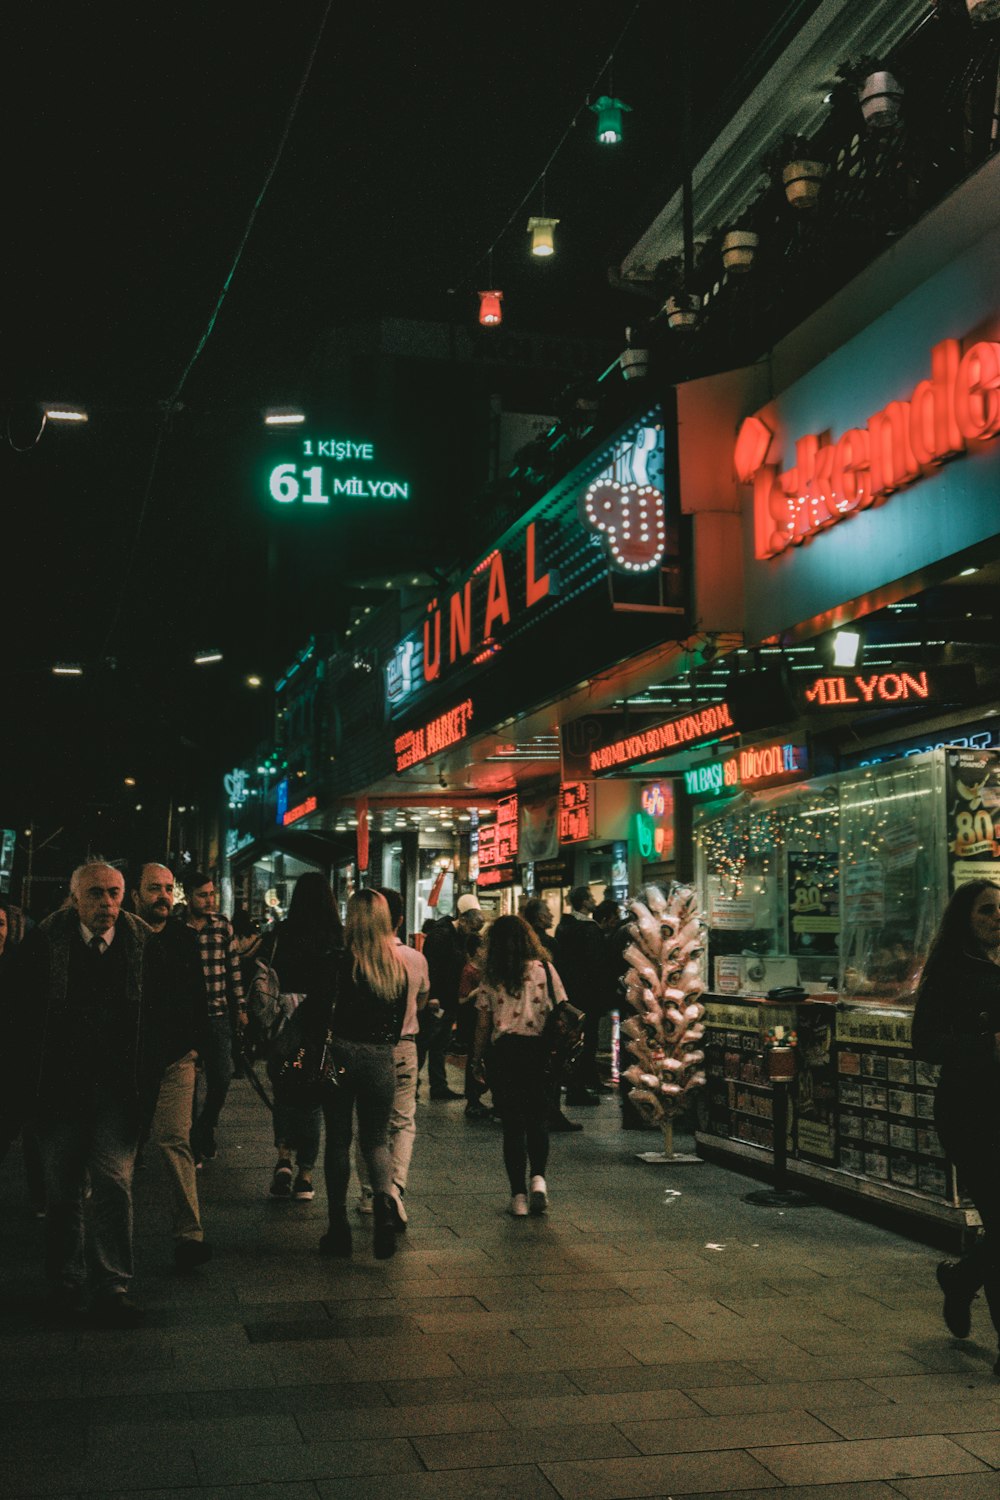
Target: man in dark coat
[(446, 949), (184, 1037), (583, 970), (90, 1055)]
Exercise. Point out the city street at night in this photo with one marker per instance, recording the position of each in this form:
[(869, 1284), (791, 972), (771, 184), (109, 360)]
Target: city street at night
[(654, 1334)]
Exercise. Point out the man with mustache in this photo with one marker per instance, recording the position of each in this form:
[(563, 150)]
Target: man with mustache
[(184, 1023)]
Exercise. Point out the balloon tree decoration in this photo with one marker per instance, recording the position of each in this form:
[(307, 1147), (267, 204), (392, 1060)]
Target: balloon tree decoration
[(663, 986)]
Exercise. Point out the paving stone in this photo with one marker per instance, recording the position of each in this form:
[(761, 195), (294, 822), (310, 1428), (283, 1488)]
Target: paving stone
[(681, 1474), (239, 1465), (526, 1445), (886, 1458)]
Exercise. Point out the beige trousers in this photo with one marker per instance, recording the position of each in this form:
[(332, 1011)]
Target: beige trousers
[(172, 1133)]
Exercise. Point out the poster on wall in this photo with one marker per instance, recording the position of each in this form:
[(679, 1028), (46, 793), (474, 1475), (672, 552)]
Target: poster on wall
[(813, 902), (815, 1094), (973, 792)]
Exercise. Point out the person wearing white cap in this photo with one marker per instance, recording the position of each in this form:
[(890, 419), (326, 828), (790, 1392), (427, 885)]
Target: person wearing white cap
[(446, 949)]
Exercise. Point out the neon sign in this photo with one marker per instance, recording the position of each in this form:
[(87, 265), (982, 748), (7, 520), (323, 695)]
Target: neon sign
[(625, 505), (959, 405), (654, 825), (754, 765), (575, 819), (314, 485), (415, 745), (498, 842), (675, 734), (295, 813), (870, 691), (460, 639)]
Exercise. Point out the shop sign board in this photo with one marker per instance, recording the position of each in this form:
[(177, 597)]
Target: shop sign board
[(498, 844), (301, 810), (755, 766), (576, 811), (898, 688), (956, 408), (654, 822), (696, 728), (608, 514), (334, 468), (813, 902), (415, 745)]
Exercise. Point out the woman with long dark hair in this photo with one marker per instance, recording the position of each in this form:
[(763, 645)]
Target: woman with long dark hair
[(957, 1023), (301, 950), (368, 1006), (517, 990)]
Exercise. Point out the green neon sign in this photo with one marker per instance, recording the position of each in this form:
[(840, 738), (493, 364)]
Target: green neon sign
[(343, 473)]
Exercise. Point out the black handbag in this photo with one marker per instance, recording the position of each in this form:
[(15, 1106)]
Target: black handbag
[(562, 1035), (299, 1067)]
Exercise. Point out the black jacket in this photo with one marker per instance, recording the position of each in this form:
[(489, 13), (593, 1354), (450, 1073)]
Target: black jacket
[(956, 1018), (583, 963), (44, 1064), (183, 1018)]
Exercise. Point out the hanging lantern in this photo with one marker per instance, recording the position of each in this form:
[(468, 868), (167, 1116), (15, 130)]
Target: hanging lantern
[(490, 313), (803, 179), (634, 363), (881, 99), (682, 310), (542, 239), (609, 119), (739, 248)]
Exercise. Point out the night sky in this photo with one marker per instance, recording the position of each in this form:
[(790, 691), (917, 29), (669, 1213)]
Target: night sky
[(138, 140)]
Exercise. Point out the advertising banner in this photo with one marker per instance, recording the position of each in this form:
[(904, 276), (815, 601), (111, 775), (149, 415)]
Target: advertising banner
[(973, 793)]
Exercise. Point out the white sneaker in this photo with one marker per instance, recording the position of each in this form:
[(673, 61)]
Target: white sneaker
[(396, 1194), (365, 1202), (519, 1205), (539, 1198)]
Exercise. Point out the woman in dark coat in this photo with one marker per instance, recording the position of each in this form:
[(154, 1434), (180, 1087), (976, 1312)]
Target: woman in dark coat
[(301, 950), (957, 1023)]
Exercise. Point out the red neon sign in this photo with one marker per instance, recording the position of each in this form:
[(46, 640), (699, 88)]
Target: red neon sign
[(957, 406), (460, 639), (415, 745), (675, 734), (295, 813), (873, 690), (498, 841), (575, 822)]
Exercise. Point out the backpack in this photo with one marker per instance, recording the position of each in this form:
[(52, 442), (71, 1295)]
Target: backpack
[(268, 1006)]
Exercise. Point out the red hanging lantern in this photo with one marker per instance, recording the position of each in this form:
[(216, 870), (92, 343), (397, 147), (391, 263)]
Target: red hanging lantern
[(490, 313)]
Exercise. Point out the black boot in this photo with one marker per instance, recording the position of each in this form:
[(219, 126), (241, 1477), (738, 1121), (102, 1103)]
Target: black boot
[(384, 1236), (337, 1240)]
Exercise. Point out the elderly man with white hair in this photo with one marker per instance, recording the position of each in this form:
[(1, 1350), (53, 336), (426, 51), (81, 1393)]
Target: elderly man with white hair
[(91, 1059)]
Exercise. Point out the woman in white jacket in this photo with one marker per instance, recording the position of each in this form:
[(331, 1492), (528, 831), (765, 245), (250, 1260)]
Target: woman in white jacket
[(518, 989)]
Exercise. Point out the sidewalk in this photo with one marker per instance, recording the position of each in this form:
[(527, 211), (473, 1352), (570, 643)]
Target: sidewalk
[(655, 1335)]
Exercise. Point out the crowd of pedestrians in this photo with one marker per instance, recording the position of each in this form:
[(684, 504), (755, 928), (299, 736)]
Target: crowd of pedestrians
[(124, 1030), (127, 1027)]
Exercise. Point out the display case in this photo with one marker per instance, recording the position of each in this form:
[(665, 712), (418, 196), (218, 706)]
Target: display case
[(833, 886), (820, 902)]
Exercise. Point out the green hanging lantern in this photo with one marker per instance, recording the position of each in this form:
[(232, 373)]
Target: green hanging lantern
[(609, 114)]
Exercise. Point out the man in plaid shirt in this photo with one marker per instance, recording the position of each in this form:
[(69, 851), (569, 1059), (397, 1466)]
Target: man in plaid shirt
[(226, 1009)]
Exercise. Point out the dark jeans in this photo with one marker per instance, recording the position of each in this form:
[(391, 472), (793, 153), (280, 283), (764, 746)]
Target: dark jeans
[(97, 1141), (438, 1045), (979, 1178), (299, 1131), (213, 1082), (369, 1082), (520, 1093)]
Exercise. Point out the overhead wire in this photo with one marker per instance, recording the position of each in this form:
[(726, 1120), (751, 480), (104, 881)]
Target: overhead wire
[(170, 405), (608, 63)]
